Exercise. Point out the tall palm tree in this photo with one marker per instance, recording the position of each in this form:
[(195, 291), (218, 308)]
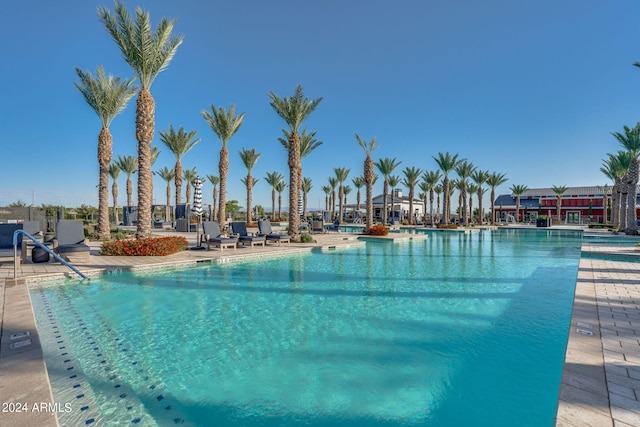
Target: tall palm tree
[(495, 180), (424, 192), (190, 176), (294, 111), (179, 143), (394, 181), (249, 159), (306, 187), (358, 182), (148, 53), (464, 169), (214, 180), (341, 177), (559, 191), (107, 96), (431, 179), (518, 190), (273, 179), (168, 175), (224, 124), (327, 196), (369, 175), (605, 203), (128, 165), (615, 168), (386, 167), (411, 177), (630, 141), (446, 162), (280, 187), (333, 183), (480, 177), (438, 189), (114, 172), (346, 190)]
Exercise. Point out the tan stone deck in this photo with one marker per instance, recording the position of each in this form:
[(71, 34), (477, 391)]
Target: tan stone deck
[(601, 377)]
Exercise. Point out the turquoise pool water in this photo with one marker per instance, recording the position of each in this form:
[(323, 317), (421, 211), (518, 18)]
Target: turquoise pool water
[(455, 330)]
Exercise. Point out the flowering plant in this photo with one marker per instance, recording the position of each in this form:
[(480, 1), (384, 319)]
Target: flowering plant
[(160, 246), (378, 230)]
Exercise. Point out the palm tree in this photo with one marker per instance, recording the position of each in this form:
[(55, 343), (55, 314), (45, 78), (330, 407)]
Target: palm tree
[(179, 143), (280, 188), (306, 187), (358, 182), (168, 175), (214, 180), (224, 124), (472, 188), (630, 141), (148, 53), (333, 183), (424, 192), (369, 175), (386, 167), (327, 196), (494, 180), (128, 165), (308, 143), (480, 177), (446, 162), (294, 111), (107, 96), (249, 159), (464, 169), (615, 168), (341, 177), (346, 190), (518, 190), (190, 176), (431, 178), (394, 180), (605, 202), (273, 179), (559, 190), (411, 177), (114, 172), (438, 189)]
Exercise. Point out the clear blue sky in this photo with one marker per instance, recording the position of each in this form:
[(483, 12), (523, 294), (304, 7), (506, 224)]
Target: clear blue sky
[(531, 89)]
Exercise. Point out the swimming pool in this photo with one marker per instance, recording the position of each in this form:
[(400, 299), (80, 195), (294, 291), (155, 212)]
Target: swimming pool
[(464, 329)]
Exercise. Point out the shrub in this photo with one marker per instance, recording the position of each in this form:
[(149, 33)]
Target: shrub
[(448, 226), (160, 246), (378, 230), (306, 238)]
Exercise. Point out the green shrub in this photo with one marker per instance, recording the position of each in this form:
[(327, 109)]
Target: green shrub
[(160, 246), (448, 226), (306, 238)]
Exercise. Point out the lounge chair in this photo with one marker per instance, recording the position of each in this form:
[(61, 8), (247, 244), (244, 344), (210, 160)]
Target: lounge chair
[(6, 239), (265, 230), (239, 228), (70, 243), (212, 236), (318, 227), (33, 228)]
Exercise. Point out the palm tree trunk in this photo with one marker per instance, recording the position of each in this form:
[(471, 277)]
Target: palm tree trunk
[(411, 216), (605, 208), (385, 204), (249, 187), (358, 200), (493, 206), (632, 186), (559, 209), (215, 199), (104, 158), (223, 170), (167, 208), (279, 205), (129, 190), (178, 181), (433, 222), (517, 208), (145, 129), (369, 177), (393, 204), (114, 193), (445, 200), (463, 195), (294, 186), (480, 215), (340, 199), (273, 204), (304, 205)]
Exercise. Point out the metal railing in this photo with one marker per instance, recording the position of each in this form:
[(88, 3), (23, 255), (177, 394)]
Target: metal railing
[(40, 245)]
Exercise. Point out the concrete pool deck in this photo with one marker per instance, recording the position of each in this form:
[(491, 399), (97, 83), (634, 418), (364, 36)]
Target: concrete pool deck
[(601, 376)]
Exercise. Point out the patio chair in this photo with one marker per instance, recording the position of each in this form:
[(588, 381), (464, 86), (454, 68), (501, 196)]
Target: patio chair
[(212, 236), (318, 227), (265, 230), (70, 242), (6, 239), (239, 228)]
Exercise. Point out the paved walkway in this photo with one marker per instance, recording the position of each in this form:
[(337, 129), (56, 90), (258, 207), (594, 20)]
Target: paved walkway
[(601, 376)]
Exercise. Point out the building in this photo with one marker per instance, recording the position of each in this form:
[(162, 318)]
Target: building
[(579, 205), (397, 212)]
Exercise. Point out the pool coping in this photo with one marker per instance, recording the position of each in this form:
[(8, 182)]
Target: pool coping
[(597, 387)]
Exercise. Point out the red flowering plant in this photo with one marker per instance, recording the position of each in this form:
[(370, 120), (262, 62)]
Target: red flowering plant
[(159, 246), (378, 230)]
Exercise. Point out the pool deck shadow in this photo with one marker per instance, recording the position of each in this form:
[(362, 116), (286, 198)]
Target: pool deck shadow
[(601, 377)]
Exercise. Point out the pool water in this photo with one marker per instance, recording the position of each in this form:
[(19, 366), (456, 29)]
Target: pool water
[(455, 330)]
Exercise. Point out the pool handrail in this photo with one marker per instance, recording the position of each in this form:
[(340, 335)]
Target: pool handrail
[(40, 245)]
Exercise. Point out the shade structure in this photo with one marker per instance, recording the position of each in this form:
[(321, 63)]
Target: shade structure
[(196, 208)]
